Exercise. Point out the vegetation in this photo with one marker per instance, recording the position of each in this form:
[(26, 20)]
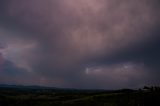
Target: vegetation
[(149, 96)]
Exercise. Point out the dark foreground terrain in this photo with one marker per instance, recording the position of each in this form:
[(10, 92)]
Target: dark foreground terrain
[(39, 96)]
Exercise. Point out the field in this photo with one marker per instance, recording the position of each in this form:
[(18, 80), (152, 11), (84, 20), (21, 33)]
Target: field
[(18, 96)]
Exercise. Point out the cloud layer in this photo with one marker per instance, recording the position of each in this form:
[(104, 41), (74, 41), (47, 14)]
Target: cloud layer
[(80, 44)]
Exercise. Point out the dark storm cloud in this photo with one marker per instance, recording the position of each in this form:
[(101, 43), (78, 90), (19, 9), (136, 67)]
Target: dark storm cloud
[(10, 72), (83, 44)]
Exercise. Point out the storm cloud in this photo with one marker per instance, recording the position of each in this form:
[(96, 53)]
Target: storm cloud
[(80, 44)]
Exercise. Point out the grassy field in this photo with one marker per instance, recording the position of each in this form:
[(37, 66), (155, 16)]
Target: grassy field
[(68, 97)]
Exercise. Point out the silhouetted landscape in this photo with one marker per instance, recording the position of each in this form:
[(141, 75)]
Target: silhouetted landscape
[(16, 95)]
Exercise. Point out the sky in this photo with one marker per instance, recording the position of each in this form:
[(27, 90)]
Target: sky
[(84, 44)]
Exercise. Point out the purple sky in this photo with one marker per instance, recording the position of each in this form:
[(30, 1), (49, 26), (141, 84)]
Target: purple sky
[(107, 44)]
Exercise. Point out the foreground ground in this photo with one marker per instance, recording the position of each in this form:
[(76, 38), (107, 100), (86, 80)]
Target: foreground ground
[(68, 97)]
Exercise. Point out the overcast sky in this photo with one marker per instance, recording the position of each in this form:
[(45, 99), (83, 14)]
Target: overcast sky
[(95, 44)]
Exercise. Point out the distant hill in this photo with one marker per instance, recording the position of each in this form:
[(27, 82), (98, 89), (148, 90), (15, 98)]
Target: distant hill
[(26, 87), (35, 87)]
